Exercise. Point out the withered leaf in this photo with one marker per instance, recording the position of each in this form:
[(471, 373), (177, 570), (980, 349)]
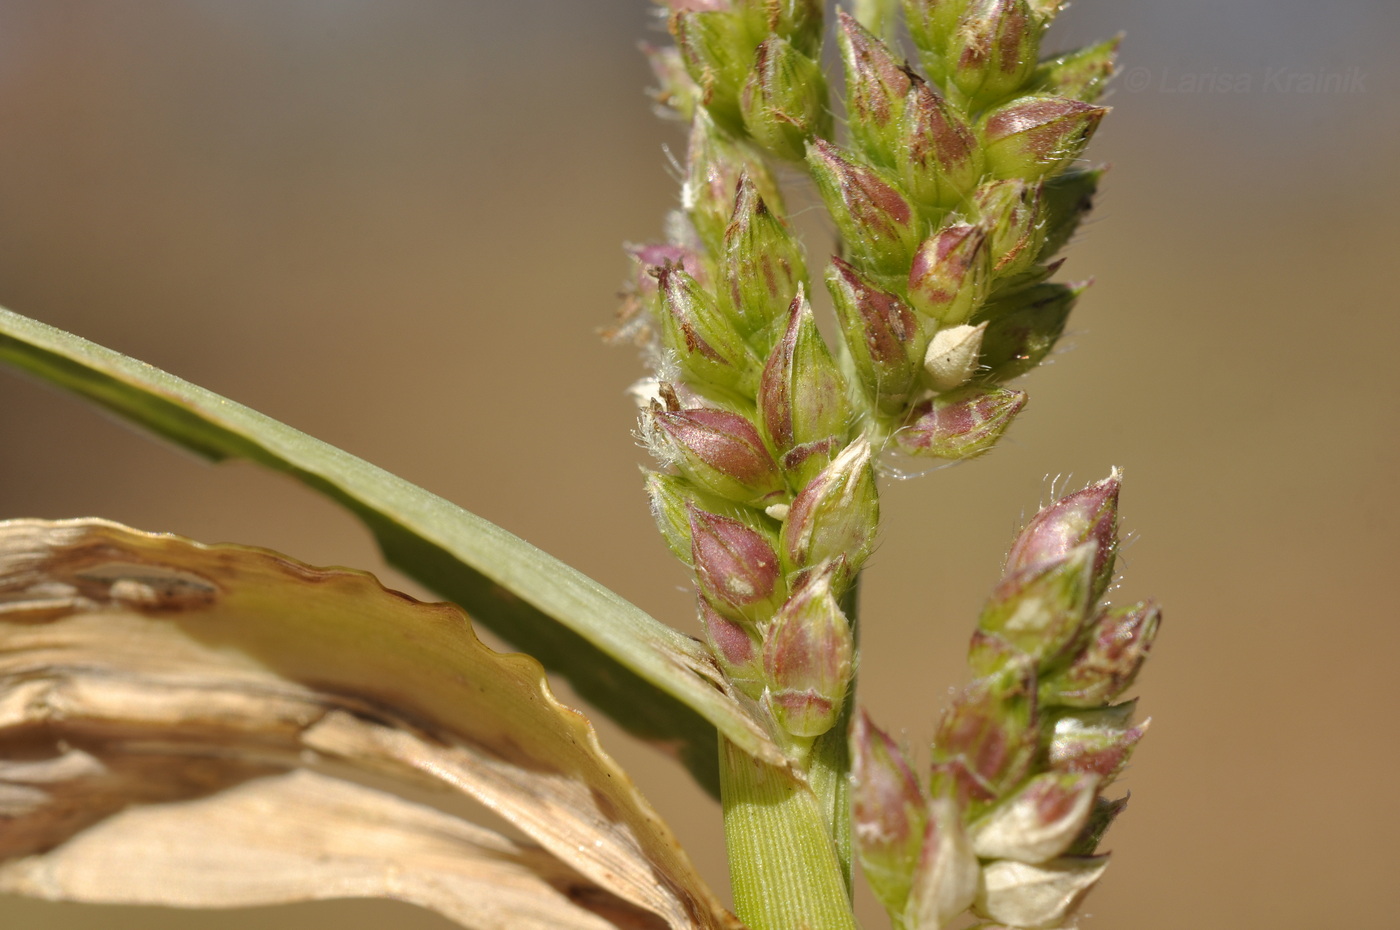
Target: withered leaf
[(165, 704)]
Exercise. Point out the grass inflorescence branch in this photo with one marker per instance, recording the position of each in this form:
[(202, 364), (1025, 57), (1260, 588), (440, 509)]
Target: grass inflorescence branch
[(956, 181)]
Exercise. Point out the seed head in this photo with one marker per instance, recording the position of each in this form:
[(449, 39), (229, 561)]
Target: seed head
[(736, 647), (1106, 666), (1039, 611), (876, 87), (1086, 517), (1032, 137), (808, 657), (890, 813), (884, 337), (950, 273), (763, 264), (702, 336), (1017, 894), (960, 424), (835, 516), (714, 166), (986, 740), (946, 882), (784, 100), (995, 50), (874, 217), (1098, 742), (717, 49), (933, 26), (735, 566), (1038, 822), (802, 397), (718, 450), (939, 160), (1010, 212)]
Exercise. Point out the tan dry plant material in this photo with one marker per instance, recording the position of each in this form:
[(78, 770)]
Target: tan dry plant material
[(171, 711)]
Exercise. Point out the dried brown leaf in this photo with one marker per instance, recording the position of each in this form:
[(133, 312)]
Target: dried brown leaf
[(147, 669), (303, 835)]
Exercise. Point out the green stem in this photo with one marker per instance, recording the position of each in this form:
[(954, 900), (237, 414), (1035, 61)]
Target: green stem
[(829, 769), (829, 776), (782, 864)]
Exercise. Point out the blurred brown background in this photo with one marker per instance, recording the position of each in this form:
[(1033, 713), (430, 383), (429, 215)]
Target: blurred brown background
[(396, 225)]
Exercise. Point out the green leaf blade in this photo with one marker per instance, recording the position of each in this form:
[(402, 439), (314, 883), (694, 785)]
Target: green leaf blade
[(656, 682)]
